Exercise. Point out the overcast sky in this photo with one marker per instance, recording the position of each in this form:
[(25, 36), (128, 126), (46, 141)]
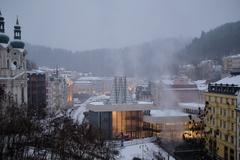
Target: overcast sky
[(91, 24)]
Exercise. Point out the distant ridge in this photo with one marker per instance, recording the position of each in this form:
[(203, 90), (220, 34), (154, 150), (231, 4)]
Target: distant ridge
[(215, 44), (145, 60)]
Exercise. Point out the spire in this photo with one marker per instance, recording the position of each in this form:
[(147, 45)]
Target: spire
[(17, 23), (2, 23), (17, 30)]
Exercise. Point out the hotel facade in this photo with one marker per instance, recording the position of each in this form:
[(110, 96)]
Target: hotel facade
[(222, 124)]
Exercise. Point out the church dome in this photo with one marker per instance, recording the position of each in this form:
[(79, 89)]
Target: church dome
[(4, 38), (17, 44)]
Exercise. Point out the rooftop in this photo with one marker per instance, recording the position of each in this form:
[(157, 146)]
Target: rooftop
[(191, 105), (233, 56), (36, 72), (101, 107), (230, 80), (167, 113), (167, 116)]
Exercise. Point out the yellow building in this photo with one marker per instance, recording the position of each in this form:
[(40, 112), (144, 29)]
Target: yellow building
[(221, 118)]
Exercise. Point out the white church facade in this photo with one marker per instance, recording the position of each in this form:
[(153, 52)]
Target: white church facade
[(13, 78)]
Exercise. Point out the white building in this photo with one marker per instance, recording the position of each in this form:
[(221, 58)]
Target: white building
[(231, 64), (13, 76)]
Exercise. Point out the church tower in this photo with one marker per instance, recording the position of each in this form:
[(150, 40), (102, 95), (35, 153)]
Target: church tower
[(4, 39), (13, 76), (2, 23), (17, 30)]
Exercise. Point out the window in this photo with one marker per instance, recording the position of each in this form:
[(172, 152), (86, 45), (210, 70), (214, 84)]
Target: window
[(232, 139), (224, 112), (8, 64), (221, 111), (22, 94), (212, 99), (224, 100), (207, 98), (226, 137), (220, 123), (15, 63), (232, 114), (224, 124), (232, 127)]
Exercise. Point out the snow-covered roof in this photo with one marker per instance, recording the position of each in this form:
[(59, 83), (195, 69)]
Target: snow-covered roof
[(144, 102), (167, 116), (233, 56), (77, 114), (167, 113), (36, 71), (89, 78), (120, 107), (230, 80), (167, 81), (97, 103), (4, 45), (82, 82), (16, 76), (206, 61), (191, 105), (201, 85)]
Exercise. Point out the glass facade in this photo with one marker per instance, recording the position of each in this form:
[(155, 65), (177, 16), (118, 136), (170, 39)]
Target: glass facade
[(127, 123)]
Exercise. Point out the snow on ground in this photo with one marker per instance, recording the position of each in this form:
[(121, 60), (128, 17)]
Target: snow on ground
[(145, 151)]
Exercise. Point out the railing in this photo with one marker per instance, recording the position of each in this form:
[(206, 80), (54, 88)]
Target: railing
[(223, 88)]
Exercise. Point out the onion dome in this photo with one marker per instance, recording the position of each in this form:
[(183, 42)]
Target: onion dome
[(17, 43)]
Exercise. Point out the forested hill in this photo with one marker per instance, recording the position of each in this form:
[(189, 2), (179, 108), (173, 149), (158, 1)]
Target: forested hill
[(146, 60), (215, 44)]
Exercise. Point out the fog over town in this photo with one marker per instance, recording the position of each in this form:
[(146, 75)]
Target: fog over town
[(120, 79)]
